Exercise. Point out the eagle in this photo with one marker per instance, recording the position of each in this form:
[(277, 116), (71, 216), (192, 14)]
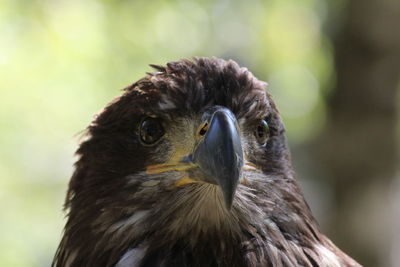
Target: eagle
[(190, 167)]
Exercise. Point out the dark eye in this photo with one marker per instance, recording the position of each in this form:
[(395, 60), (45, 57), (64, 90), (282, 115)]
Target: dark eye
[(262, 132), (151, 130)]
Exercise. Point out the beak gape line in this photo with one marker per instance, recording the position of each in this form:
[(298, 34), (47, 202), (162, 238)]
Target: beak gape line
[(219, 154)]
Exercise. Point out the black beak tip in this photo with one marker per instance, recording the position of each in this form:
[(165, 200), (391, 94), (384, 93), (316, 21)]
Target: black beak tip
[(228, 199)]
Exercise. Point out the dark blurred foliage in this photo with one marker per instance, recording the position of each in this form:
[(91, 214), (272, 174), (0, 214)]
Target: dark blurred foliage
[(332, 67), (359, 147)]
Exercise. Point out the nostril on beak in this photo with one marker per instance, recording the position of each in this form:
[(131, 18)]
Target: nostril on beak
[(203, 129)]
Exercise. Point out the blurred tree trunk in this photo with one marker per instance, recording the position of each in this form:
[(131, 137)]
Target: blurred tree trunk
[(359, 145)]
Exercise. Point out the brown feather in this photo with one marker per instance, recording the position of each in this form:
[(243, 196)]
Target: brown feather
[(119, 214)]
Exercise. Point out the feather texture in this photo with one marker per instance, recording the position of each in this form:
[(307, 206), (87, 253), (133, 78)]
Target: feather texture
[(119, 215)]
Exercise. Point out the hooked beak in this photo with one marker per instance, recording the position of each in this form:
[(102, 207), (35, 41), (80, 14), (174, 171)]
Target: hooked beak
[(219, 154)]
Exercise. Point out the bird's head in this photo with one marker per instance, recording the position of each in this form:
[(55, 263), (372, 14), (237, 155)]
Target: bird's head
[(190, 167), (183, 146)]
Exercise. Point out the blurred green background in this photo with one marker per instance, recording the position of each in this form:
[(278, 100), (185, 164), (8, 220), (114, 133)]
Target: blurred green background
[(61, 61)]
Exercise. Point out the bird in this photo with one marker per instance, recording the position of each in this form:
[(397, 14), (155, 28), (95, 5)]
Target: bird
[(190, 166)]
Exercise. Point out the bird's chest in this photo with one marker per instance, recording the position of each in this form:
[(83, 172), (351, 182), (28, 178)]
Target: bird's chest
[(206, 253), (202, 246), (198, 233)]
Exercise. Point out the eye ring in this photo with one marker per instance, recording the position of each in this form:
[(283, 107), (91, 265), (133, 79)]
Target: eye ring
[(151, 130), (262, 132)]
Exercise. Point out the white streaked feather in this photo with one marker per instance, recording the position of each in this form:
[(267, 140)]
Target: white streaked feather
[(132, 220), (328, 258), (131, 258)]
